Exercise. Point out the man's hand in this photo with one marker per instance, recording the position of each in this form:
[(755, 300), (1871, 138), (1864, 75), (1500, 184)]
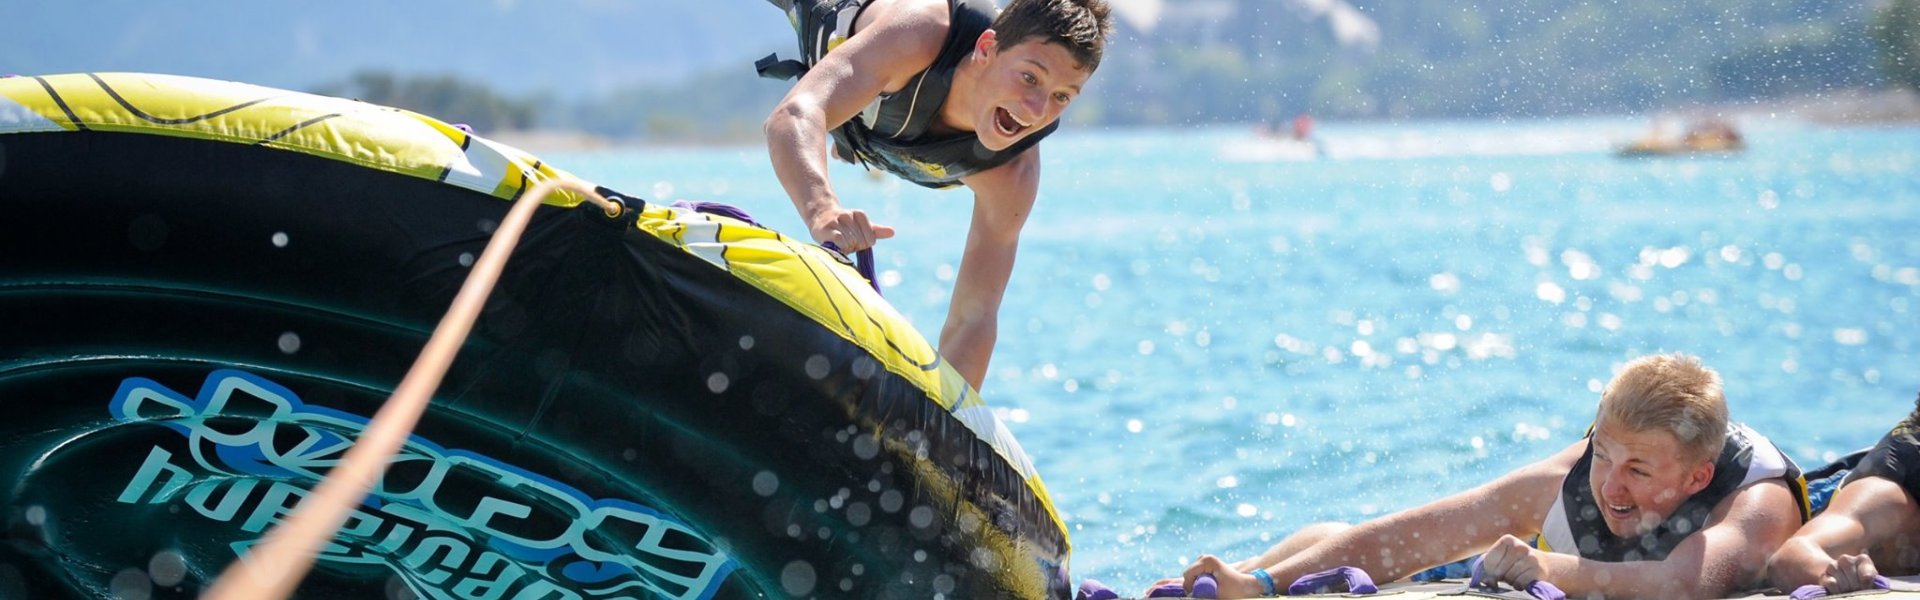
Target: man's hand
[(1232, 583), (1513, 562), (1849, 573), (848, 230)]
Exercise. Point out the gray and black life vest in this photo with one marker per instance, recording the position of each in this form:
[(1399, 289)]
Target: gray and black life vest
[(1574, 525), (893, 133)]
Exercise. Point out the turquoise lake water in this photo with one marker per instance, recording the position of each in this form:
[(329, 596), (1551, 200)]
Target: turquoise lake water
[(1203, 354)]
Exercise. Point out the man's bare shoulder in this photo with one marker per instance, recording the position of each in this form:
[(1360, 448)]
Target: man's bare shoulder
[(908, 29), (1765, 501)]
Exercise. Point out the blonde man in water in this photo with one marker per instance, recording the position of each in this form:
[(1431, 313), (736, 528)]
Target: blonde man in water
[(1664, 498)]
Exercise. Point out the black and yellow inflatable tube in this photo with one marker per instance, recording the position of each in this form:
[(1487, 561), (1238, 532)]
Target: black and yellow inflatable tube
[(206, 288)]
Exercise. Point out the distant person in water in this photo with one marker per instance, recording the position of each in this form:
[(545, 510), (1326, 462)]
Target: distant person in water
[(1870, 528), (941, 93), (1664, 498), (1303, 126)]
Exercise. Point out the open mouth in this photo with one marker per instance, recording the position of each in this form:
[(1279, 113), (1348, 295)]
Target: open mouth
[(1007, 124), (1620, 512)]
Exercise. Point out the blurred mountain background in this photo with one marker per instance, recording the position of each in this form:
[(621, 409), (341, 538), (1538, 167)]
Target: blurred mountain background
[(653, 70)]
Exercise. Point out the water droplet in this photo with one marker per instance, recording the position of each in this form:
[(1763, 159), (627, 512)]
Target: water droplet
[(865, 447), (797, 578), (289, 343), (168, 568), (130, 584), (279, 239), (765, 483)]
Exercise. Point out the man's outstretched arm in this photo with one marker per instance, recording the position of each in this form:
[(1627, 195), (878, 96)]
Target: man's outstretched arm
[(1725, 557), (1401, 544), (1814, 553), (1002, 199), (902, 41)]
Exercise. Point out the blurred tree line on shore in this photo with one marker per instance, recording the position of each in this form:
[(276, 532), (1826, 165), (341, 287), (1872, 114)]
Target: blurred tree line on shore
[(1223, 61)]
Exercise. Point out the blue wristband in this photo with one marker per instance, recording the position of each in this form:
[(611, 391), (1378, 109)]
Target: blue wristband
[(1266, 582)]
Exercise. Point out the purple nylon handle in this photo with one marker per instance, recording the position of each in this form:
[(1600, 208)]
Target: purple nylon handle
[(1539, 589), (862, 262), (1809, 592), (1356, 581), (716, 208), (1094, 590)]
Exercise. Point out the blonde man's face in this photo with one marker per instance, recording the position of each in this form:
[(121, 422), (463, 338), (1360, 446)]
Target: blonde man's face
[(1640, 477)]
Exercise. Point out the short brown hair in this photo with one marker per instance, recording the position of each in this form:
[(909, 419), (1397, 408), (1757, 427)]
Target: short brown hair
[(1081, 26), (1673, 393)]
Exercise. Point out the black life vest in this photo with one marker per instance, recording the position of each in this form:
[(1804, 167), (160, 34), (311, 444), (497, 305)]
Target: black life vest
[(1574, 525), (893, 134)]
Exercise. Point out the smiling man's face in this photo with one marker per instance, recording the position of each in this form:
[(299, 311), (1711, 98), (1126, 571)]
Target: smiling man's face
[(1640, 477), (1024, 88)]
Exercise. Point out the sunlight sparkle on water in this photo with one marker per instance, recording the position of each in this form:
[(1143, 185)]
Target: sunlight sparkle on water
[(1550, 292), (1580, 266), (1019, 415), (1500, 182)]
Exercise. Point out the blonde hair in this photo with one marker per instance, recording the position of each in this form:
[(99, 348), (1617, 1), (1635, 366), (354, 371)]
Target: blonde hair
[(1673, 393)]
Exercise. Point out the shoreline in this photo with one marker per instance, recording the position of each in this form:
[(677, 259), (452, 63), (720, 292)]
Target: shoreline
[(1842, 108)]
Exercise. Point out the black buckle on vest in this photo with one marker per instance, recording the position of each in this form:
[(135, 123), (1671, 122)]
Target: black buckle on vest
[(772, 67)]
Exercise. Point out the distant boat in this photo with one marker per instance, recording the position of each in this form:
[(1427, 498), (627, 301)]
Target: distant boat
[(1270, 149), (1704, 137)]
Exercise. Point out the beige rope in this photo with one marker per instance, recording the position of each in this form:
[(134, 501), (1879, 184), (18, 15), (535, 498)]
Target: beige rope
[(281, 559)]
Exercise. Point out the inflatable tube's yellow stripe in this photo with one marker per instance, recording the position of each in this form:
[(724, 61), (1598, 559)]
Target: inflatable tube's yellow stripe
[(368, 135), (810, 280)]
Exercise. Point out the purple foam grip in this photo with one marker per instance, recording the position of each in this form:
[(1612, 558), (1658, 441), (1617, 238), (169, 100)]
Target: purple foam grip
[(1809, 592), (1205, 587), (1541, 590), (1094, 590), (1167, 590), (1353, 579)]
